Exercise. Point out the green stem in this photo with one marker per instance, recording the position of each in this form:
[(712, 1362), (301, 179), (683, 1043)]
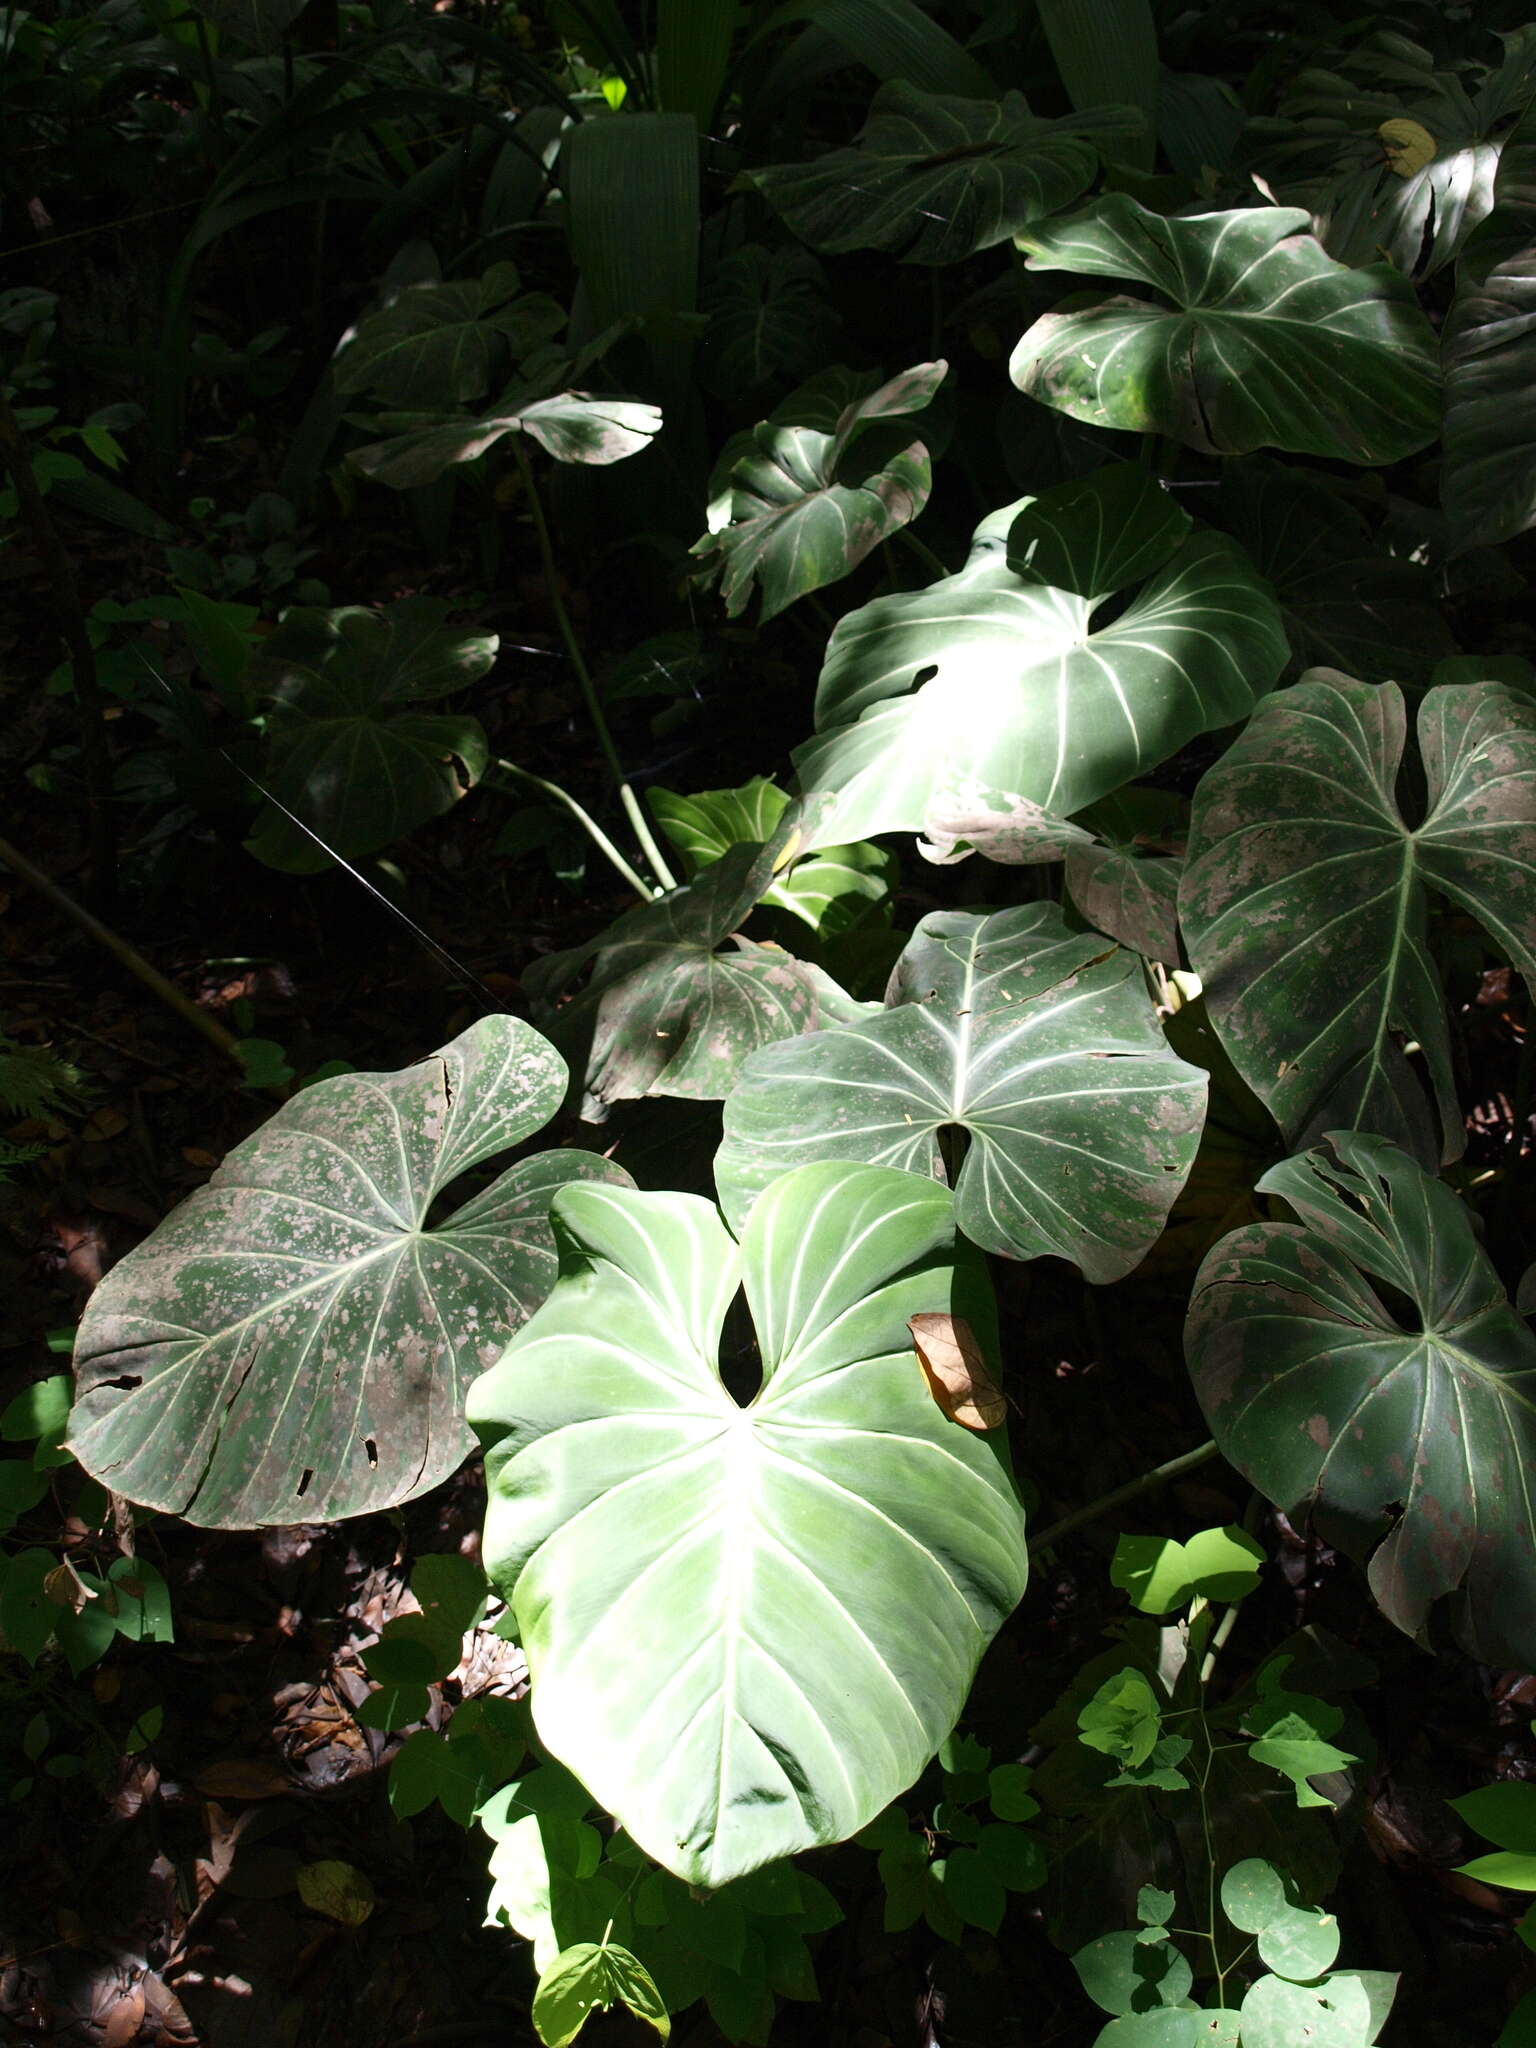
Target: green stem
[(627, 797), (921, 549), (585, 820), (1173, 1468)]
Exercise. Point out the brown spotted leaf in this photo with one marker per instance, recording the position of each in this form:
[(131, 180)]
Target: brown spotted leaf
[(1411, 1437), (1041, 1044), (957, 1374), (1305, 905), (295, 1342)]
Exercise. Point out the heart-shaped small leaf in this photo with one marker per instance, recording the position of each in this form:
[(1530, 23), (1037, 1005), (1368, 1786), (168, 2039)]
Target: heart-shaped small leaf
[(831, 890), (1417, 1429), (435, 344), (350, 759), (750, 1627), (770, 319), (1304, 901), (260, 24), (805, 495), (999, 680), (1041, 1044), (932, 178), (1265, 341), (662, 1010), (293, 1343)]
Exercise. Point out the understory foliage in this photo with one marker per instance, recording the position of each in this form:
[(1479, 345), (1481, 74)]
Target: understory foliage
[(1111, 897)]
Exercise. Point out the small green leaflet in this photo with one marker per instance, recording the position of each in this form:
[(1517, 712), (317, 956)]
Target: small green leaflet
[(590, 1977)]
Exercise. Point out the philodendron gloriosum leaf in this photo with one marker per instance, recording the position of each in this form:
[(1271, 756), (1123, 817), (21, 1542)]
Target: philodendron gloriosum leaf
[(1264, 342), (806, 494), (996, 681), (572, 426), (350, 756), (294, 1343), (662, 1011), (1488, 472), (435, 345), (932, 178), (1304, 901), (1329, 1401), (1040, 1043), (748, 1628)]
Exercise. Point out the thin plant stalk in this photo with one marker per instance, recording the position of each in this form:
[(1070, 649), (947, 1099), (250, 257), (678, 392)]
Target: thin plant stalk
[(173, 997), (588, 824), (96, 757), (627, 796), (1174, 1468)]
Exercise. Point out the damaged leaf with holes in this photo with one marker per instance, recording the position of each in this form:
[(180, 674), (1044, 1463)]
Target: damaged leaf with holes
[(295, 1341)]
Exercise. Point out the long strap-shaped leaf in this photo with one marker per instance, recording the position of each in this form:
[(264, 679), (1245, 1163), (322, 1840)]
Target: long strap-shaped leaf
[(748, 1627)]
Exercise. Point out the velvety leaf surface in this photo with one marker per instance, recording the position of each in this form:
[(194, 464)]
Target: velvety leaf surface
[(769, 318), (996, 682), (1040, 1043), (350, 758), (293, 1343), (1414, 1446), (932, 178), (435, 344), (751, 1627), (1265, 341), (805, 495), (662, 1010), (1304, 902)]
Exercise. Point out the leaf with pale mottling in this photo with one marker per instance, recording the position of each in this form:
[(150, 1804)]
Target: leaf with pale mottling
[(294, 1342)]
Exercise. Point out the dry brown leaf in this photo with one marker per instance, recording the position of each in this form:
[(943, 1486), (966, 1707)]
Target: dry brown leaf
[(956, 1372), (244, 1778)]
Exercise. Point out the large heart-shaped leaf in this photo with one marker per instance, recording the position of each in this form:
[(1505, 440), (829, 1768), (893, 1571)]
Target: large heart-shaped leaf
[(1040, 1043), (1304, 902), (349, 758), (998, 680), (1346, 602), (294, 1342), (435, 344), (1419, 1427), (805, 495), (748, 1628), (662, 1010), (1488, 474), (932, 178), (572, 426), (1265, 341)]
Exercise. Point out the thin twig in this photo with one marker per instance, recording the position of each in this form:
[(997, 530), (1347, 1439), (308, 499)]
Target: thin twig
[(1174, 1468), (122, 952), (627, 797), (587, 822)]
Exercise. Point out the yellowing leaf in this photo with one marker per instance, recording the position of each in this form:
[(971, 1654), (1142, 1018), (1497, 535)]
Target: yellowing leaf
[(956, 1372), (336, 1890), (1408, 144)]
